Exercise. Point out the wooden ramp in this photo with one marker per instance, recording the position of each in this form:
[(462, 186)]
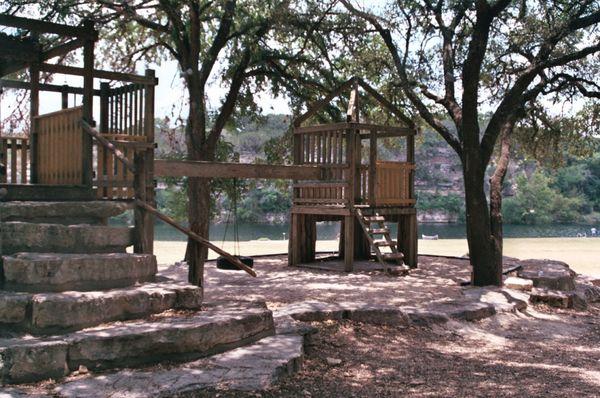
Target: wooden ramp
[(374, 226)]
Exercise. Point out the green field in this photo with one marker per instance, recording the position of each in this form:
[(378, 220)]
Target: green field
[(582, 254)]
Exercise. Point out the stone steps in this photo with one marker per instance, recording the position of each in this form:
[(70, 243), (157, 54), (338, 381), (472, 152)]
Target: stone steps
[(56, 272), (90, 212), (46, 313), (55, 238), (169, 336), (252, 368)]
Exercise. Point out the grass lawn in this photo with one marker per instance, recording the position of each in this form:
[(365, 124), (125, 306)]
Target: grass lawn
[(582, 254)]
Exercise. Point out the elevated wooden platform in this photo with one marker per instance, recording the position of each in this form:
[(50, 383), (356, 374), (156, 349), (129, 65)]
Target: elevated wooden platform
[(356, 182)]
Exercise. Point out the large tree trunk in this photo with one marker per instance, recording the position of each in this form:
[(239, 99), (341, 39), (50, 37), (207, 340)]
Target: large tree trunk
[(485, 255), (199, 189), (496, 182)]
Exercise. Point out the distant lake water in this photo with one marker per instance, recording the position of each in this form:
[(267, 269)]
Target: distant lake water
[(330, 230)]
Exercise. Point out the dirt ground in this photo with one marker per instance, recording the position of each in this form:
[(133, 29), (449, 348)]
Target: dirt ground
[(277, 284), (543, 353)]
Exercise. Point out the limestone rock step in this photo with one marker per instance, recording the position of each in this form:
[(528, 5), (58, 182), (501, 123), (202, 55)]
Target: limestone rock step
[(89, 212), (45, 238), (169, 336), (56, 272), (45, 313), (549, 274), (252, 368)]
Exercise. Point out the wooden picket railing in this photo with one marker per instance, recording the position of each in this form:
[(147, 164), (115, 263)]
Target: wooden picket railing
[(326, 147), (14, 155), (125, 109), (59, 147)]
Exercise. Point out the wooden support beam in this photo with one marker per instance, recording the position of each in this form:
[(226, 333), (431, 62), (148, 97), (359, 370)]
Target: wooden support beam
[(387, 104), (188, 168), (88, 107), (387, 131), (348, 243), (320, 104), (234, 260), (34, 107), (19, 85), (39, 192), (100, 74), (48, 27), (372, 177), (62, 49)]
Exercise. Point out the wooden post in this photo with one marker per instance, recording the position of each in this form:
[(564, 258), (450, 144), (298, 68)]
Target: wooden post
[(372, 167), (64, 96), (410, 158), (143, 242), (407, 238), (349, 243), (88, 102), (144, 177), (103, 167), (411, 228), (104, 92), (293, 241), (34, 110)]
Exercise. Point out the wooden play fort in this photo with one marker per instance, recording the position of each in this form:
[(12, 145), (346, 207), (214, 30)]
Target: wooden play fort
[(97, 144), (356, 187)]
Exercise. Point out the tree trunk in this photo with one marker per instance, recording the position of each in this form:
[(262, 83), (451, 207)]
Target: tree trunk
[(484, 253), (199, 189), (199, 218), (496, 182)]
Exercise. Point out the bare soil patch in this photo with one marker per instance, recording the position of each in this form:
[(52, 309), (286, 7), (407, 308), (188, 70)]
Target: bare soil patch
[(278, 284)]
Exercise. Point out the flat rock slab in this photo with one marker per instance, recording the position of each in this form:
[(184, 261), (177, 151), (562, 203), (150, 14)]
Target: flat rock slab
[(254, 367), (56, 238), (553, 298), (56, 272), (516, 283), (170, 336), (62, 212), (549, 274), (463, 309), (502, 299)]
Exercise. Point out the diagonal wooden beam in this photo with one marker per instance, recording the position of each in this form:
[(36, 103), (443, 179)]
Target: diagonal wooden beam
[(62, 49), (386, 103), (47, 27), (320, 104)]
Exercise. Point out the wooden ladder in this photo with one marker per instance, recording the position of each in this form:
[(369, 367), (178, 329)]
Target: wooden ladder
[(375, 225)]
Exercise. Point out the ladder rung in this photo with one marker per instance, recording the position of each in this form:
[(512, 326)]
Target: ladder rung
[(383, 242), (378, 231), (393, 256), (373, 218)]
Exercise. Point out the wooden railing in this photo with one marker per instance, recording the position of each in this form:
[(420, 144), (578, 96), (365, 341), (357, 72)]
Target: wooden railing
[(59, 147), (324, 146), (14, 155), (125, 110), (392, 184), (112, 179)]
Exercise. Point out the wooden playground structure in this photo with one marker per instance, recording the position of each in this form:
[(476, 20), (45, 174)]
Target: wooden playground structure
[(356, 188), (68, 156)]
